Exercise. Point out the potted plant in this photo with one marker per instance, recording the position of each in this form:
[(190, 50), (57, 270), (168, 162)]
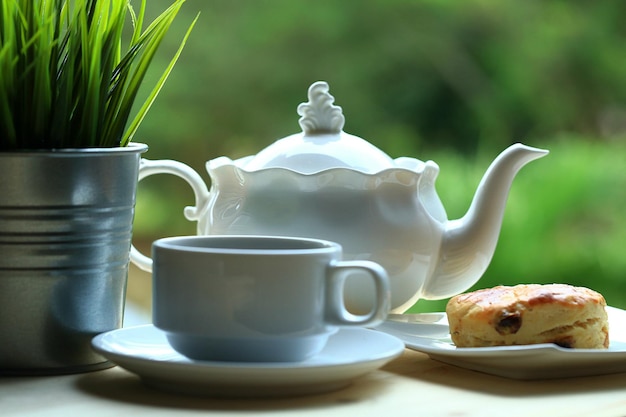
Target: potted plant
[(70, 73)]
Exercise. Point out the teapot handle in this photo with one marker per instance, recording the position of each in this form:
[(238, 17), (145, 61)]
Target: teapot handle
[(192, 213)]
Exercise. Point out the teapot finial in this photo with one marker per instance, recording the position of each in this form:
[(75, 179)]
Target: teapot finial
[(319, 115)]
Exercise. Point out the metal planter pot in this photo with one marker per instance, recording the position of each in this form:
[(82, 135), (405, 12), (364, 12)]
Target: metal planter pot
[(65, 233)]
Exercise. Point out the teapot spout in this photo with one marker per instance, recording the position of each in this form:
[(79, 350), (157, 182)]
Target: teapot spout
[(469, 243)]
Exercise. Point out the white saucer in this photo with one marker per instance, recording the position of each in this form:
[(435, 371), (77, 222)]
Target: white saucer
[(425, 333), (350, 353)]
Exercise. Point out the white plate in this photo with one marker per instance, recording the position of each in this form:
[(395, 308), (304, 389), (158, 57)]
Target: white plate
[(350, 353), (429, 333)]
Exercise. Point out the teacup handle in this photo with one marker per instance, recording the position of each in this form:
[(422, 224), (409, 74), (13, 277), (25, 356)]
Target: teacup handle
[(336, 312), (192, 213)]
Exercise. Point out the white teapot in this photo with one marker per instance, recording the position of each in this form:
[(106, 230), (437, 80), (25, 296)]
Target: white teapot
[(327, 184)]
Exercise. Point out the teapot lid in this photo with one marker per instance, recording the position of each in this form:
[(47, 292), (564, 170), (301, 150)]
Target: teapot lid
[(322, 144)]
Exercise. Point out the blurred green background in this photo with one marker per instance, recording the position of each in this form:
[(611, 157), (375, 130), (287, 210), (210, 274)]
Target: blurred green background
[(455, 82)]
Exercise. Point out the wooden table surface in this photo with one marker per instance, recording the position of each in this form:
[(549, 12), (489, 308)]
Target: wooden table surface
[(411, 385)]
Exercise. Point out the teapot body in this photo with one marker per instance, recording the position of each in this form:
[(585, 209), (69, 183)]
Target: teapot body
[(325, 183), (379, 217)]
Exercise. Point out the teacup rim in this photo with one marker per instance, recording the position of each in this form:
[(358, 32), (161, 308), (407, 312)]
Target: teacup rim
[(189, 244)]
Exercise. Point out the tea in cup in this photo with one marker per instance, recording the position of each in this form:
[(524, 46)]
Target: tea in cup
[(256, 298)]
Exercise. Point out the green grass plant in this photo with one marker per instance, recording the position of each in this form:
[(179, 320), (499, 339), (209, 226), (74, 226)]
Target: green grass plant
[(69, 78)]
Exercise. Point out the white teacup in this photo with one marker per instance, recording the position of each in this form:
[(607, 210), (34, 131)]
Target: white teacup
[(256, 298)]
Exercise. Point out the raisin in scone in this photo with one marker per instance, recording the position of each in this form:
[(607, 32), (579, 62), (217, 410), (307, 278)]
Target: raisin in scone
[(573, 317)]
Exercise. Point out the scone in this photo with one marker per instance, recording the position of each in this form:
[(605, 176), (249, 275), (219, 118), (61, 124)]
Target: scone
[(573, 317)]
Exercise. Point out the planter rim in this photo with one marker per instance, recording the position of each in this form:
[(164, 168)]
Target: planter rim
[(132, 147)]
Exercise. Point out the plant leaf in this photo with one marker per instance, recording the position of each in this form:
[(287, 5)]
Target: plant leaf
[(68, 79), (157, 88)]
